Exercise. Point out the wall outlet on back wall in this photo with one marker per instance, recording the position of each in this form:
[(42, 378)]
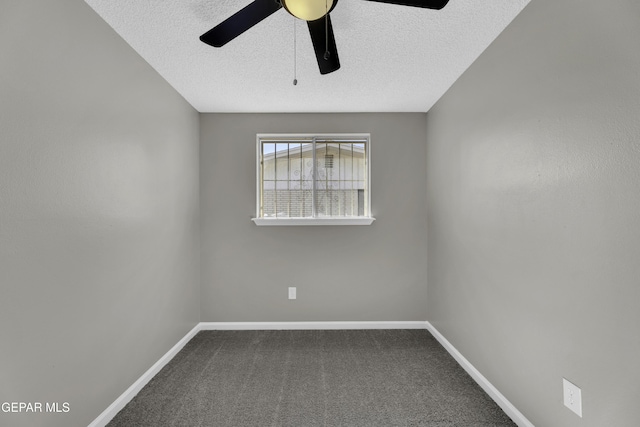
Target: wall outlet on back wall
[(572, 396), (292, 292)]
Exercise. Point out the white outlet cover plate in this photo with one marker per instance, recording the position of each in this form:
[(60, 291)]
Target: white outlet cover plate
[(572, 396), (292, 293)]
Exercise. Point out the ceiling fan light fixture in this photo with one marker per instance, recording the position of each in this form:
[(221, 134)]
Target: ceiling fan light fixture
[(308, 10), (312, 11)]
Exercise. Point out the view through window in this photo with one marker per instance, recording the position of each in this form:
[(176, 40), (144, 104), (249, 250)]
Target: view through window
[(313, 176)]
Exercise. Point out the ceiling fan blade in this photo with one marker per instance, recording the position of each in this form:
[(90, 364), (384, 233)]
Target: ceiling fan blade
[(428, 4), (318, 30), (240, 22)]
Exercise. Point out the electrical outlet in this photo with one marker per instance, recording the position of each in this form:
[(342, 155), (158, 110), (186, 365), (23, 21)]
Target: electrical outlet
[(292, 292), (572, 396)]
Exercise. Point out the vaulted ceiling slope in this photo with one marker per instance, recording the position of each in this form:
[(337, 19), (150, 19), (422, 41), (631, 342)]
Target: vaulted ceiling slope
[(393, 58)]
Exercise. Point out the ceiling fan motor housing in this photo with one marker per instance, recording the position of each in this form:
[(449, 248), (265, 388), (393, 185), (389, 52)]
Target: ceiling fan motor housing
[(309, 10)]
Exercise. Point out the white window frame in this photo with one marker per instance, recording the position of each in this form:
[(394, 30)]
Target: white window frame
[(359, 220)]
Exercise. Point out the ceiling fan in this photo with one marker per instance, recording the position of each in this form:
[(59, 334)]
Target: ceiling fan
[(315, 12)]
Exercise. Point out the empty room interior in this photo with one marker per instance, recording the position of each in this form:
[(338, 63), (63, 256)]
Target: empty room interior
[(505, 191)]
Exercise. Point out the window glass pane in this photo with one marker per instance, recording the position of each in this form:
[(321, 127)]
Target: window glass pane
[(287, 179), (267, 194), (305, 193), (331, 163), (268, 151), (341, 168), (295, 162), (268, 199), (282, 161)]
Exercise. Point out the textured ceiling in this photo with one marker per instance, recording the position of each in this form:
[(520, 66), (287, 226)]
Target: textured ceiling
[(393, 58)]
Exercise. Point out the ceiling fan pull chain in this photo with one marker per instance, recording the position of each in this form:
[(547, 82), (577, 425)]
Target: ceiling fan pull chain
[(295, 68), (326, 31)]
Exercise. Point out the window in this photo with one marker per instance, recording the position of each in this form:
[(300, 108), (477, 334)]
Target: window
[(313, 180)]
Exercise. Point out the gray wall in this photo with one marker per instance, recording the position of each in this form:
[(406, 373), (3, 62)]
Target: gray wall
[(99, 244), (374, 272), (534, 211)]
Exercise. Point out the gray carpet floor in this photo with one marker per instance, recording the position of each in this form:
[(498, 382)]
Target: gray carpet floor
[(312, 378)]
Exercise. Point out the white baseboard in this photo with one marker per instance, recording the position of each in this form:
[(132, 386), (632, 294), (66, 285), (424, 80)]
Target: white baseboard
[(108, 414), (263, 326), (493, 392)]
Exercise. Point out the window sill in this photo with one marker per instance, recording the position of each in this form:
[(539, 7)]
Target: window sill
[(313, 221)]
